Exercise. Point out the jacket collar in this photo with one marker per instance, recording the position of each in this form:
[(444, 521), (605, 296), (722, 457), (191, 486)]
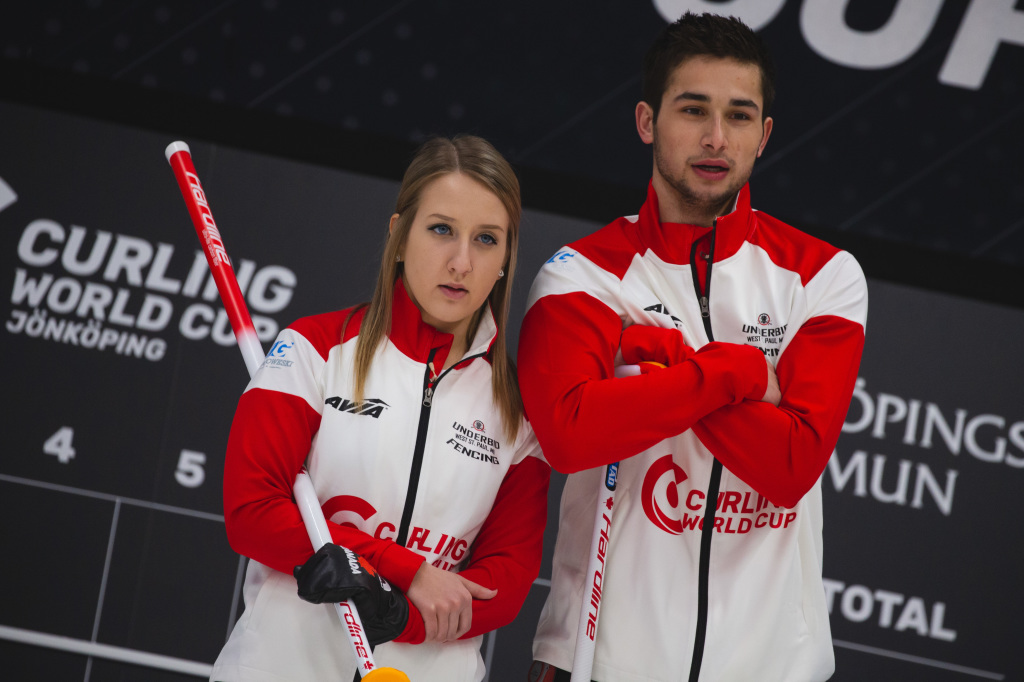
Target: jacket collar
[(672, 242), (416, 339)]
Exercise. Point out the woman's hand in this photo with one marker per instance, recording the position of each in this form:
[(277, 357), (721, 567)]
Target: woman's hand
[(445, 600)]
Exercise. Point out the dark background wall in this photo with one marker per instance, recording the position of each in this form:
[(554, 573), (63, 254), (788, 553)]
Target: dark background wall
[(301, 116)]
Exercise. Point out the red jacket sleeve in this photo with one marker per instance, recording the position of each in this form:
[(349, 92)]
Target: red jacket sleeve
[(506, 554), (583, 417), (781, 451), (268, 444)]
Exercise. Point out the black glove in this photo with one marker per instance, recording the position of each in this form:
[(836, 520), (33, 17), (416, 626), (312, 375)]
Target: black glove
[(335, 574)]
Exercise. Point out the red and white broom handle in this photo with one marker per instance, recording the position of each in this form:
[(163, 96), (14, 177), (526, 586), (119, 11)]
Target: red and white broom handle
[(180, 158), (593, 589)]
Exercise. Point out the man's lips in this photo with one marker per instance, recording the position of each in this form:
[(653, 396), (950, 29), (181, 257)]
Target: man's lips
[(711, 170)]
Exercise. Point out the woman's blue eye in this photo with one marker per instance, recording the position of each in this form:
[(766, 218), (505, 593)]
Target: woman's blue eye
[(488, 239), (441, 228)]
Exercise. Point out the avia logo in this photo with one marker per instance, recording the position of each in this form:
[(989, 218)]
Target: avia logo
[(662, 310), (561, 257), (660, 492), (764, 319), (373, 407)]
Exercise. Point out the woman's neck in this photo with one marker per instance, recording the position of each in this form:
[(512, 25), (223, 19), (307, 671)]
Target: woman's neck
[(456, 352)]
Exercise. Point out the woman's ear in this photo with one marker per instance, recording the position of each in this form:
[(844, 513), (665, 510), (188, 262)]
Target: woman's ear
[(392, 223)]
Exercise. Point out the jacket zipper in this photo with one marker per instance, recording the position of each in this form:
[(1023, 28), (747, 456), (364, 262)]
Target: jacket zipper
[(708, 529), (417, 454), (429, 386)]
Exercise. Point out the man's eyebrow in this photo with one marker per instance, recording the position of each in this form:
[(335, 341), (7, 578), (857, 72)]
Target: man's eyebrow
[(698, 97), (692, 95), (746, 103)]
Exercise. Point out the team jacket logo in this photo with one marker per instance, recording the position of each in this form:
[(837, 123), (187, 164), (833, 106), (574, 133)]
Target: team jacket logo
[(349, 510), (737, 513), (372, 407), (662, 310), (660, 491), (279, 349), (474, 442), (277, 354), (764, 336)]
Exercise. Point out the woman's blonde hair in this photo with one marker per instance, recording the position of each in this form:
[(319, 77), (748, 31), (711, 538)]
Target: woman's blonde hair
[(478, 159)]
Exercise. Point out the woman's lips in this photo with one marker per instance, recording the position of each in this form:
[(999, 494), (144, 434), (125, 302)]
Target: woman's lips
[(454, 292)]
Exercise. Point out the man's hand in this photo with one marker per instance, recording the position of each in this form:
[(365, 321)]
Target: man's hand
[(772, 394), (445, 600), (640, 343)]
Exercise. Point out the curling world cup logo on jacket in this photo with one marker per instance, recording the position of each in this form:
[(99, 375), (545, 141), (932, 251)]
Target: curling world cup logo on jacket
[(675, 510), (440, 549)]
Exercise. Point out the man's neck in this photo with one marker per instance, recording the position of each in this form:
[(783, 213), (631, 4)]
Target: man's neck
[(672, 208)]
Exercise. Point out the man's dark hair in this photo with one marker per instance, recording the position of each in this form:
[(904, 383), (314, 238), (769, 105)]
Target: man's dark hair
[(707, 35)]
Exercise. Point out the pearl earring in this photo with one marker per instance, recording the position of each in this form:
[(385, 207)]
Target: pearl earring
[(501, 273)]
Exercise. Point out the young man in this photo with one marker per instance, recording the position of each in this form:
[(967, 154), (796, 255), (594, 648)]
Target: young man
[(713, 567)]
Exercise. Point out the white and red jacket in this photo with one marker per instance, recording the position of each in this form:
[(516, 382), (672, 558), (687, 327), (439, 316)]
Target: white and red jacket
[(420, 471), (740, 597)]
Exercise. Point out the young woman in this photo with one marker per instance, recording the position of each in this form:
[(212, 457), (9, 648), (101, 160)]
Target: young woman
[(407, 414)]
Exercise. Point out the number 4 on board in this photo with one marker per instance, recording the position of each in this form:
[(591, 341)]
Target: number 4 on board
[(59, 444)]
